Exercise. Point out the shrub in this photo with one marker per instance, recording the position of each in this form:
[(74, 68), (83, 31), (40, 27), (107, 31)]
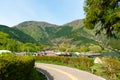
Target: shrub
[(84, 49), (110, 69), (15, 67), (95, 48)]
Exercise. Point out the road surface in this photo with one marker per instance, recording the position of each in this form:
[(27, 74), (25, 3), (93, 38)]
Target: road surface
[(56, 72)]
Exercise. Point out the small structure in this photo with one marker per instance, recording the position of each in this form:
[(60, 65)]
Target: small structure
[(58, 53), (50, 53), (77, 53), (22, 53), (98, 60), (4, 51)]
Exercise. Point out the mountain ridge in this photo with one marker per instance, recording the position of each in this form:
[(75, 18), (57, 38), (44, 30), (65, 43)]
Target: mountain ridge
[(44, 32), (16, 34), (73, 33)]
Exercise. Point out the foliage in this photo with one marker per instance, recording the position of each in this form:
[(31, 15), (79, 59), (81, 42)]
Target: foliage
[(3, 35), (110, 68), (35, 75), (73, 34), (62, 48), (39, 31), (114, 44), (84, 49), (47, 34), (95, 48), (74, 49), (63, 31), (103, 16), (15, 67), (6, 43), (16, 34), (80, 63), (98, 70)]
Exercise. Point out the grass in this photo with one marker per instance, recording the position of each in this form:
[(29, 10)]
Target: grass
[(35, 75)]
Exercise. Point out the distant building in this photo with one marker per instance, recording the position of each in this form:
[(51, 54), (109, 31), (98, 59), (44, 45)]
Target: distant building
[(22, 53)]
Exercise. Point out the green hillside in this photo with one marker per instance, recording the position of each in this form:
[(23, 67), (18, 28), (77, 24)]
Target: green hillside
[(73, 33), (46, 33), (16, 34), (7, 43), (39, 31), (76, 24)]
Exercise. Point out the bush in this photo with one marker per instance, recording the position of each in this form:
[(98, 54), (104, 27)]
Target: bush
[(95, 48), (84, 49), (15, 67), (110, 69), (81, 63)]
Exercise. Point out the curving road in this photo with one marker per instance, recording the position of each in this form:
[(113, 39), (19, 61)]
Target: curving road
[(56, 72)]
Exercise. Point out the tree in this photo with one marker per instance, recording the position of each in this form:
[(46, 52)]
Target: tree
[(3, 35), (95, 48), (103, 16), (60, 41), (84, 49)]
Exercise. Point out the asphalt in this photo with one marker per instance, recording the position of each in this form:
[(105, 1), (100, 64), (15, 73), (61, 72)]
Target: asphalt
[(56, 72)]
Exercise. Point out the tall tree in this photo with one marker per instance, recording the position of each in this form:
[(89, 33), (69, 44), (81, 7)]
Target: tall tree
[(103, 16)]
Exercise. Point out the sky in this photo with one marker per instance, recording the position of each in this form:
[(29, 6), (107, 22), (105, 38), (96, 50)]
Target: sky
[(13, 12)]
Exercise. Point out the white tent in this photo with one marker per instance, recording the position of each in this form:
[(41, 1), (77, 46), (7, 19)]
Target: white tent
[(4, 51)]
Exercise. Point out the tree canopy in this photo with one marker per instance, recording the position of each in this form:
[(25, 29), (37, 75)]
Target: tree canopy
[(8, 43), (103, 16)]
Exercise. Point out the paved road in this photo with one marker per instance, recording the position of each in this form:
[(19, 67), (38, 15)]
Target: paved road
[(56, 72)]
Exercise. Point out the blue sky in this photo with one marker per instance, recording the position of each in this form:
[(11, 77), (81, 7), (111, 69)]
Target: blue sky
[(13, 12)]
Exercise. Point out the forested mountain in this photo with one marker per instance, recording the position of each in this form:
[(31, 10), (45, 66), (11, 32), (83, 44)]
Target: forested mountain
[(16, 34), (39, 31), (73, 33), (76, 24), (46, 33)]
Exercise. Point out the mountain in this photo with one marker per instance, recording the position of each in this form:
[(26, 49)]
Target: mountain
[(76, 24), (73, 33), (46, 33), (39, 31), (16, 34)]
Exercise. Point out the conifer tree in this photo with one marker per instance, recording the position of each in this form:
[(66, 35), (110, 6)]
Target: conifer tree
[(103, 16)]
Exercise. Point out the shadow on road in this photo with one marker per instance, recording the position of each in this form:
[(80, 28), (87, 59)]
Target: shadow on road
[(48, 75)]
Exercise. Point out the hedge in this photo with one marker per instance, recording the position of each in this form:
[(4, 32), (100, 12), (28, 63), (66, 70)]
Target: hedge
[(80, 63), (15, 67)]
